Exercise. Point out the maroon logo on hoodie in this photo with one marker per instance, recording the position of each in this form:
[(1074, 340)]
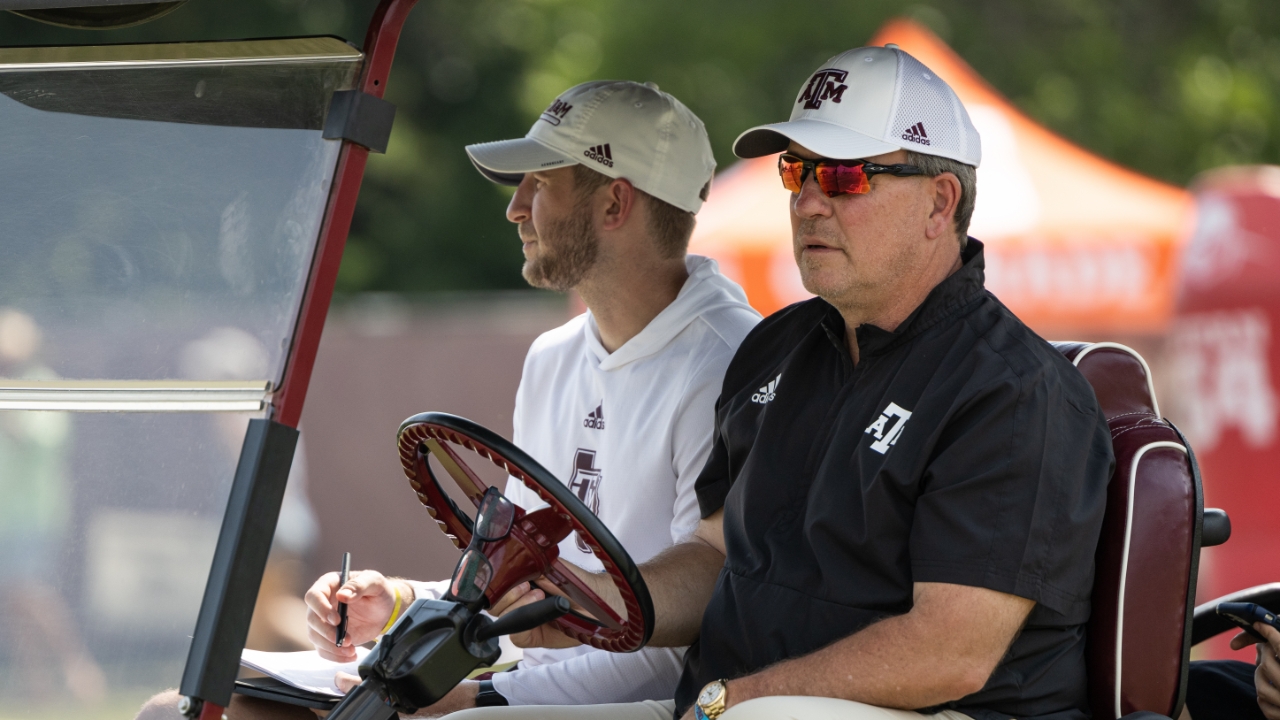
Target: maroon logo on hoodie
[(595, 418), (585, 483), (823, 86)]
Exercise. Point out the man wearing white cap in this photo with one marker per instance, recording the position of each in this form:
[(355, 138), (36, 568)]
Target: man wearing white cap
[(901, 508), (619, 402)]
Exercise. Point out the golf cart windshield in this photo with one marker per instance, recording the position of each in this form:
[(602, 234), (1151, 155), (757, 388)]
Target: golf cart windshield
[(161, 206)]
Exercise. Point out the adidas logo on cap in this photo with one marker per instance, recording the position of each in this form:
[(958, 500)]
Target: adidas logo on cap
[(767, 392), (601, 154), (916, 134)]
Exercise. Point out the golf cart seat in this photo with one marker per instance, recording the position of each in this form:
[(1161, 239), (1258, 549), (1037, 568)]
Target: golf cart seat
[(1140, 632)]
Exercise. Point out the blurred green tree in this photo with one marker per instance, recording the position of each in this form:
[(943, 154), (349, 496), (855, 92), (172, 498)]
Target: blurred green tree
[(1167, 87)]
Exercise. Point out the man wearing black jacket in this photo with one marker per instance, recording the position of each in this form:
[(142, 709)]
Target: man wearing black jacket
[(903, 501)]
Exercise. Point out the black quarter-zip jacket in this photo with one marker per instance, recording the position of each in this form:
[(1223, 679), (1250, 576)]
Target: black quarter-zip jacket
[(962, 448)]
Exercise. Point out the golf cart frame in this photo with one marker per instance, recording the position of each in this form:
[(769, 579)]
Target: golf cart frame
[(249, 524), (358, 117)]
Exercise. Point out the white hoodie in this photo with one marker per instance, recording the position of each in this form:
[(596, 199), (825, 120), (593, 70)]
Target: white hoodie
[(628, 432)]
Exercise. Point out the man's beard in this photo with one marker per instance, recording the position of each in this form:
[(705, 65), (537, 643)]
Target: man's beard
[(573, 251)]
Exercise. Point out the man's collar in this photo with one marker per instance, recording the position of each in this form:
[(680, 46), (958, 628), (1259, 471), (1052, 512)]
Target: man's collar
[(946, 299)]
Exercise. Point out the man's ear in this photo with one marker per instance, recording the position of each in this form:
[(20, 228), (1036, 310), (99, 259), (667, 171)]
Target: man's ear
[(620, 203), (946, 199)]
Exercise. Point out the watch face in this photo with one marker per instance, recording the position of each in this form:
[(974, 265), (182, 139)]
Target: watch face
[(709, 694)]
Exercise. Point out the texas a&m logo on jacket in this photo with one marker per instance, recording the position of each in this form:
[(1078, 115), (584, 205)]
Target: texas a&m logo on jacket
[(888, 427), (825, 84)]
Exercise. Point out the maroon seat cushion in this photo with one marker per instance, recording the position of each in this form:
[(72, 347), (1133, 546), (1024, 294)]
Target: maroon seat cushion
[(1139, 633)]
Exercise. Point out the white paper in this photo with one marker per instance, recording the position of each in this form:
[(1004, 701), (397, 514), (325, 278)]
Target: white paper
[(304, 670)]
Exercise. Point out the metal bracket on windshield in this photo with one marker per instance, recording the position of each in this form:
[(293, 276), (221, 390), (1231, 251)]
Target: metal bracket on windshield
[(361, 118)]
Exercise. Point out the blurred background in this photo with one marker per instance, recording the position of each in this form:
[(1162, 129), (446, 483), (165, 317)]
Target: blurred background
[(1125, 196), (1167, 88)]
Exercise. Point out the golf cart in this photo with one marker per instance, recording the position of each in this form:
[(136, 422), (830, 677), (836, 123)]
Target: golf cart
[(175, 217)]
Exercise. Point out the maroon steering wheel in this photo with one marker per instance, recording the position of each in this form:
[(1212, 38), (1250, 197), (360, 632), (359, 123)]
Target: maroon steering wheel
[(531, 551)]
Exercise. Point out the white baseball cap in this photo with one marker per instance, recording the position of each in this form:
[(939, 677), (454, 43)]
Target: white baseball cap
[(620, 128), (870, 101)]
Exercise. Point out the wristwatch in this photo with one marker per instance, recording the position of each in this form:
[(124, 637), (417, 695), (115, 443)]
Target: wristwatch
[(711, 701), (486, 696)]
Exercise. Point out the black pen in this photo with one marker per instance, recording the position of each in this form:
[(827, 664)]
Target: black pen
[(343, 576)]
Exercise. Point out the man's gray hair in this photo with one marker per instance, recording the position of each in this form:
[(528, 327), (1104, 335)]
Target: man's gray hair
[(934, 166)]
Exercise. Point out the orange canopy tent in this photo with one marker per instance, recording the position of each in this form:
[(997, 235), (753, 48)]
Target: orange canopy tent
[(1074, 242)]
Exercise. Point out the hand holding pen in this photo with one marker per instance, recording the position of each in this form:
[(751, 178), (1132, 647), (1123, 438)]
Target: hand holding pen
[(373, 603)]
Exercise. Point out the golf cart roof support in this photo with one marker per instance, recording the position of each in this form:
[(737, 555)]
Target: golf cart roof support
[(247, 527), (239, 560), (379, 48)]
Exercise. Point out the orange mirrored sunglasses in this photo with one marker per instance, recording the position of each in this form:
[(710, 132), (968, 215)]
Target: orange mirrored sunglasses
[(836, 177)]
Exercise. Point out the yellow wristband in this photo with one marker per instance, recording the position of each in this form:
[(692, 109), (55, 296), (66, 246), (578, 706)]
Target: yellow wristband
[(395, 613)]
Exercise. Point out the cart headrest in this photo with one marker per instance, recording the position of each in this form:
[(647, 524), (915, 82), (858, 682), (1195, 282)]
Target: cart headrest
[(1120, 377)]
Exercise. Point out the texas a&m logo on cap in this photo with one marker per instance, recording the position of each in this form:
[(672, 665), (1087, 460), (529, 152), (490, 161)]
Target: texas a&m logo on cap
[(823, 86), (556, 112)]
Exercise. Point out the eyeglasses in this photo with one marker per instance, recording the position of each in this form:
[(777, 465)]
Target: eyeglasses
[(836, 177), (474, 571)]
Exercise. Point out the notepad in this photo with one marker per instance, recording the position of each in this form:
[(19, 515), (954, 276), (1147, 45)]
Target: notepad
[(304, 670)]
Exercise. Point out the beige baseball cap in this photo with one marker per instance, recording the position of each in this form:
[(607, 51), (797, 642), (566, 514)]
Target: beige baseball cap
[(620, 128), (870, 101)]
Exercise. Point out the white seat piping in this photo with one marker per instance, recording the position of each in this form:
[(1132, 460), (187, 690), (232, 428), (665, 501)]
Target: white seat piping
[(1124, 558), (1146, 369)]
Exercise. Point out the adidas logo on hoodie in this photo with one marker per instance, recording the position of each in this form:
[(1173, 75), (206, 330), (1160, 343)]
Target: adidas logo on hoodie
[(767, 392), (595, 419)]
